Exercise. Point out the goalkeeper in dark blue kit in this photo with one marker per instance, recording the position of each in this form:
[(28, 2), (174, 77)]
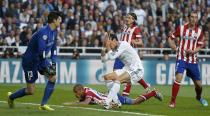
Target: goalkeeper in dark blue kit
[(34, 60)]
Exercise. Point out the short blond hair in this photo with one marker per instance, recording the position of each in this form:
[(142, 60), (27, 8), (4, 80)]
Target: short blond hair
[(77, 87)]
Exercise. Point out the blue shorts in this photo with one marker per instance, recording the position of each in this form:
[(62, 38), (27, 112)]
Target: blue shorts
[(30, 70), (118, 64), (192, 70)]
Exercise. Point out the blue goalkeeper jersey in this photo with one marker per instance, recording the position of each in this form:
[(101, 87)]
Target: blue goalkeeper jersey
[(41, 46)]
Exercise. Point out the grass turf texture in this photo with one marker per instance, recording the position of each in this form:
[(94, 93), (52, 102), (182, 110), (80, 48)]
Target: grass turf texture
[(186, 103)]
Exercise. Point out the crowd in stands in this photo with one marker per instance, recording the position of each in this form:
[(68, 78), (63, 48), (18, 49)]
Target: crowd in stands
[(86, 21)]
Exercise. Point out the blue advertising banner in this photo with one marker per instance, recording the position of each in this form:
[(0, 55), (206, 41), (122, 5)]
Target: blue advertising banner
[(92, 71)]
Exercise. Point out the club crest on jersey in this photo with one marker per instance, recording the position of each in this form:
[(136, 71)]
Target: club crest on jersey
[(44, 37)]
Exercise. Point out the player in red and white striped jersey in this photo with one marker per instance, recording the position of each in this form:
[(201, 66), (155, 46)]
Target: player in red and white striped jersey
[(132, 34), (191, 41), (88, 95), (92, 95)]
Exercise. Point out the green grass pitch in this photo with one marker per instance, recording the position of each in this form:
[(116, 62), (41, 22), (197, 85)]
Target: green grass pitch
[(186, 103)]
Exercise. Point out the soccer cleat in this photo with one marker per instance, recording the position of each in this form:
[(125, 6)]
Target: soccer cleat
[(203, 102), (158, 95), (46, 107), (10, 101), (116, 104), (171, 105), (107, 106)]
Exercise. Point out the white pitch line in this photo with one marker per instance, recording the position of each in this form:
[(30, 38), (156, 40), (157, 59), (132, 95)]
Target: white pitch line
[(85, 108)]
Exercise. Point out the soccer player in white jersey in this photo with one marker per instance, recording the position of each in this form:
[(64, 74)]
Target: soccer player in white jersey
[(132, 34), (88, 95), (133, 70), (191, 41)]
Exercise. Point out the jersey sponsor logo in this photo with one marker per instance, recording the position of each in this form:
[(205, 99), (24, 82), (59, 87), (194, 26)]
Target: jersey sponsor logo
[(44, 37), (187, 37), (126, 33)]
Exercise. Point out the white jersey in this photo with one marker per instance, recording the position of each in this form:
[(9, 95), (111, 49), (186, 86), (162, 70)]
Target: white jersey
[(126, 53)]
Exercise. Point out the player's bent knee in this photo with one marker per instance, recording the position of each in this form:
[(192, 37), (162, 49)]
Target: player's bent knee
[(198, 86), (30, 91), (109, 78), (105, 78)]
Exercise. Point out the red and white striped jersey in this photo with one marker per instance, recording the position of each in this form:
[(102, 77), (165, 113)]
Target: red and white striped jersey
[(94, 95), (189, 39), (130, 33)]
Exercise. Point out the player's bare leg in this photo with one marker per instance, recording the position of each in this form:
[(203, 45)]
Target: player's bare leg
[(30, 88), (115, 88), (109, 80), (110, 76)]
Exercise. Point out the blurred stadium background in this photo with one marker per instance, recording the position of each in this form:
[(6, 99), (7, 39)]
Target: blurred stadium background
[(80, 40)]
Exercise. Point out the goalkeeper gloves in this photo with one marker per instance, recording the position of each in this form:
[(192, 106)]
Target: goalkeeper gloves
[(49, 71), (53, 66)]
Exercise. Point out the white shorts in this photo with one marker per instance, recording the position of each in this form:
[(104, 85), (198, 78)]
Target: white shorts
[(135, 73)]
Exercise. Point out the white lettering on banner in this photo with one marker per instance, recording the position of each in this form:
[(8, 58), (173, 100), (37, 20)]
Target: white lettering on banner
[(161, 77), (23, 77), (41, 79), (5, 72), (16, 70), (68, 75), (171, 75), (205, 74)]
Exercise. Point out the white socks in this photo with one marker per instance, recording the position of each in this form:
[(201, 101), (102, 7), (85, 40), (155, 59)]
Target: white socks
[(113, 91), (109, 84)]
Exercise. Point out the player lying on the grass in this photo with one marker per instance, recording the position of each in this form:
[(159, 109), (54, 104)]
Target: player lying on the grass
[(133, 70), (88, 95)]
